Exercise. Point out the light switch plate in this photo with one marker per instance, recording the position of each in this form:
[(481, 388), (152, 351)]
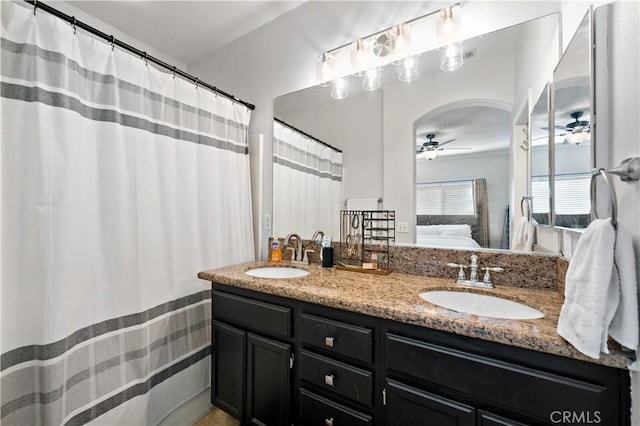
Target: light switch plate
[(267, 221), (403, 226)]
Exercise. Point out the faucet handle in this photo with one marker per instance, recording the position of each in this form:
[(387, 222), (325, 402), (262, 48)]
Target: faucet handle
[(487, 277), (306, 255), (293, 252), (461, 274)]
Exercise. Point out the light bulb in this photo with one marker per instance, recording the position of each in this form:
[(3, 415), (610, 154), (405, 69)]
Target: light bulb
[(408, 70), (448, 24), (451, 57), (577, 138), (359, 57), (430, 154), (372, 80), (339, 89), (324, 69)]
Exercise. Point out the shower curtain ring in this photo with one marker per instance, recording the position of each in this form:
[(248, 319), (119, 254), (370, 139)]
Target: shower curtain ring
[(174, 71), (73, 24), (146, 60), (35, 7), (215, 91), (197, 82), (113, 43)]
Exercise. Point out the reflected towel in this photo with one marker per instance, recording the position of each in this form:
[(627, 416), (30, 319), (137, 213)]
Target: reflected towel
[(624, 326), (524, 235), (590, 300)]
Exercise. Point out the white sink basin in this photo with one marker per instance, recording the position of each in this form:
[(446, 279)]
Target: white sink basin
[(481, 304), (277, 272)]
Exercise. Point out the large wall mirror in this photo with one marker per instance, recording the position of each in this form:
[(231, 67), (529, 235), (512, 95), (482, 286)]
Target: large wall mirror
[(573, 131), (540, 159), (466, 116)]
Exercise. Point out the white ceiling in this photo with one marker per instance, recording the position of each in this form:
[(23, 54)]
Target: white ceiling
[(186, 30)]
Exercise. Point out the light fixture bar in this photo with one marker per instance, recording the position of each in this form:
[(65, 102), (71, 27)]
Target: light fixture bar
[(377, 33)]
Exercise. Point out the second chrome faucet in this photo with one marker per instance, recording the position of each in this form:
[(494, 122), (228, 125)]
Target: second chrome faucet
[(473, 275)]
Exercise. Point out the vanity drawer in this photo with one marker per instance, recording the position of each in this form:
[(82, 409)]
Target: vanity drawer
[(318, 411), (337, 337), (266, 318), (531, 392), (353, 383)]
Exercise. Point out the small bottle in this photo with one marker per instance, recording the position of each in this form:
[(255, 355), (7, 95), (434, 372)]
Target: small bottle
[(275, 251)]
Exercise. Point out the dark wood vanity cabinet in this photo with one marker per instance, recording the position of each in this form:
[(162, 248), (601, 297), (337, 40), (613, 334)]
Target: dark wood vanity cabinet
[(252, 358), (353, 369)]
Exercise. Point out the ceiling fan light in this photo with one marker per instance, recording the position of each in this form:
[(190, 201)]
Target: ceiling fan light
[(577, 138), (430, 154)]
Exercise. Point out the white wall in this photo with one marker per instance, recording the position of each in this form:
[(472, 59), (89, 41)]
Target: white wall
[(356, 129)]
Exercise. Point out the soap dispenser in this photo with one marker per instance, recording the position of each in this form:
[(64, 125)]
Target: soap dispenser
[(275, 251)]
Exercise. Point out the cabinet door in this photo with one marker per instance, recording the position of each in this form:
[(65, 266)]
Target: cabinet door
[(228, 369), (410, 406), (268, 381)]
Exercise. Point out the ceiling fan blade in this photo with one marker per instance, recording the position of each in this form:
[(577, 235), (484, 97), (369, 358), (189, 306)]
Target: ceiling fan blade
[(449, 149), (446, 142)]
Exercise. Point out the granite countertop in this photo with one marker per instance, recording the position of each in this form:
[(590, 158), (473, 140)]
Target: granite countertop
[(396, 297)]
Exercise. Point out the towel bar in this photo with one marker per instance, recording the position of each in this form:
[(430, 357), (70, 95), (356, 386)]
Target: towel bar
[(612, 195)]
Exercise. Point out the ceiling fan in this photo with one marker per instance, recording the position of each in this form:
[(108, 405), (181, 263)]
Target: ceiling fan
[(576, 131), (433, 145)]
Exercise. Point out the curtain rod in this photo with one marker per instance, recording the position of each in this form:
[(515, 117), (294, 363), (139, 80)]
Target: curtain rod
[(111, 39), (284, 123)]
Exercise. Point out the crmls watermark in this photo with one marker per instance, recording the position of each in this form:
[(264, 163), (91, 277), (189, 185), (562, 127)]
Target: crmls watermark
[(575, 417)]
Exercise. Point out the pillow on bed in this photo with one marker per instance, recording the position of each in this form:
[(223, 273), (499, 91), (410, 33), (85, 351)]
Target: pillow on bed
[(454, 241), (454, 230)]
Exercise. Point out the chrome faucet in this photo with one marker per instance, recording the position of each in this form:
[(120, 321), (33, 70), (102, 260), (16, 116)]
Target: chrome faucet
[(298, 253), (317, 237), (473, 276)]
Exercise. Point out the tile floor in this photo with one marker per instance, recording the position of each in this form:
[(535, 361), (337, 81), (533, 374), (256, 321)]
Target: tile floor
[(216, 417)]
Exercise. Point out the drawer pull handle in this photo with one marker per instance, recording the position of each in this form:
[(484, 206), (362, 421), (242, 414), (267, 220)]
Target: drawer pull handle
[(328, 379), (328, 341), (328, 422)]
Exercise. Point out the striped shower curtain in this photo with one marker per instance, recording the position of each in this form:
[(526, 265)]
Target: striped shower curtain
[(307, 185), (119, 183)]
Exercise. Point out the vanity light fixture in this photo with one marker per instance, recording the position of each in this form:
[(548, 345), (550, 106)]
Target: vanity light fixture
[(325, 71), (399, 45)]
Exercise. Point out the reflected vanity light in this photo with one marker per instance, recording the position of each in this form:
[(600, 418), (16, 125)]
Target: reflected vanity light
[(398, 45), (408, 70), (339, 89), (451, 57), (372, 79)]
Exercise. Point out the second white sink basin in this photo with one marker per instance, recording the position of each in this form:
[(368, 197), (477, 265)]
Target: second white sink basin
[(481, 304), (277, 272)]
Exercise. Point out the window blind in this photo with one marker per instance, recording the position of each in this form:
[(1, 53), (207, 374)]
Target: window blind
[(571, 194), (445, 198)]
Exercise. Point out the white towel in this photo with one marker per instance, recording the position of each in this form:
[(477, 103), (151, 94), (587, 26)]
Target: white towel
[(519, 234), (524, 235), (624, 326), (590, 299)]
